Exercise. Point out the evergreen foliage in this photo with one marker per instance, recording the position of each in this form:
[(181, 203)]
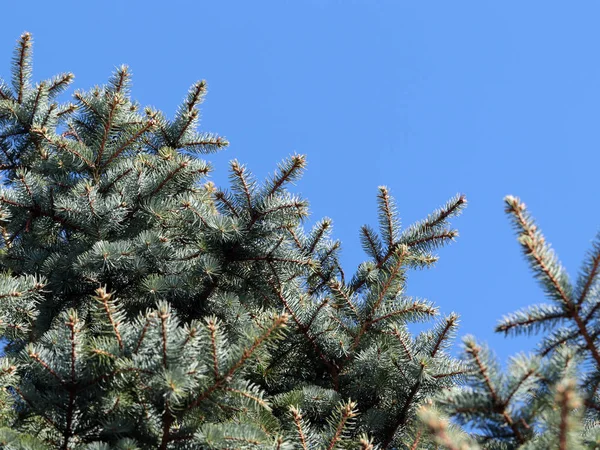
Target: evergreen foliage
[(143, 307), (548, 400)]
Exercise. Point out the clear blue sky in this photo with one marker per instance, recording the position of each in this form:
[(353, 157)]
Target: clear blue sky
[(428, 98)]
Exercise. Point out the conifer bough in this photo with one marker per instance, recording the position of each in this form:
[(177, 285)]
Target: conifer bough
[(142, 307)]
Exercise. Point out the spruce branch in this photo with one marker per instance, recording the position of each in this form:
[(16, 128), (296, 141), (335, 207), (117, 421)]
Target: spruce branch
[(388, 222), (404, 340), (281, 205), (87, 105), (164, 314), (540, 256), (331, 366), (390, 282), (196, 95), (371, 243), (68, 431), (345, 297), (419, 238), (553, 278), (499, 404), (35, 356), (149, 318), (188, 114), (119, 82), (289, 171), (224, 199), (212, 327), (432, 240), (41, 89), (414, 308), (561, 426), (33, 406), (59, 83), (589, 273), (61, 143), (133, 138), (278, 323), (439, 218), (300, 426), (115, 101), (257, 399), (240, 179), (65, 110), (524, 378), (347, 412), (169, 177), (402, 418), (188, 121), (449, 325), (21, 70), (167, 422), (5, 93), (105, 299), (50, 112), (317, 234), (532, 319), (204, 143), (566, 401), (439, 427)]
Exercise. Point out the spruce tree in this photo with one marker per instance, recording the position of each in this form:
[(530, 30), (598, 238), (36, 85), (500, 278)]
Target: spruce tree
[(143, 307)]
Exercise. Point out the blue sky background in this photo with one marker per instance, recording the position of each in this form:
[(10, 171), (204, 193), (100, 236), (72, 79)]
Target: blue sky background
[(428, 98)]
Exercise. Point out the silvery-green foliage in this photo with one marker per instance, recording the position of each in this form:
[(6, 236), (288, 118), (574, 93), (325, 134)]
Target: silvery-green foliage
[(145, 307)]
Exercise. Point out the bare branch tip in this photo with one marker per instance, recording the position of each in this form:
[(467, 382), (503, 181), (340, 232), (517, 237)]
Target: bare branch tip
[(299, 160), (26, 38), (514, 203)]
